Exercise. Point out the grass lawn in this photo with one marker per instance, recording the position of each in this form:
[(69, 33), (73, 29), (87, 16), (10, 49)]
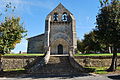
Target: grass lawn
[(97, 54), (21, 69), (102, 70), (23, 55)]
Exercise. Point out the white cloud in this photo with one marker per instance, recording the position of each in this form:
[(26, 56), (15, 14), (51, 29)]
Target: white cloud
[(25, 5)]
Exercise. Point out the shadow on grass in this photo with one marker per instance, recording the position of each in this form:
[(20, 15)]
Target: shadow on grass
[(114, 77), (12, 73), (89, 70)]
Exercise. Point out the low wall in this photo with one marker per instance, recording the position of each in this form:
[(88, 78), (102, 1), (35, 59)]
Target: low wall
[(17, 62), (95, 61)]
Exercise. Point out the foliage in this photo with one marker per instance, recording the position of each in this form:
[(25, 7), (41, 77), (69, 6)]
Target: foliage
[(8, 9), (11, 33), (108, 23), (80, 46), (108, 27), (91, 43), (11, 30)]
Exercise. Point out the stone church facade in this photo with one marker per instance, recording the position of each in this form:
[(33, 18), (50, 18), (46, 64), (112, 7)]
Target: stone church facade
[(59, 36)]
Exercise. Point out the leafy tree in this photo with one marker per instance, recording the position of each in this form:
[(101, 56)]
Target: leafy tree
[(108, 27), (91, 44), (11, 32), (80, 46)]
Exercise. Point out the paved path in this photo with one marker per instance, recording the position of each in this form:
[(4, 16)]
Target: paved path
[(93, 77)]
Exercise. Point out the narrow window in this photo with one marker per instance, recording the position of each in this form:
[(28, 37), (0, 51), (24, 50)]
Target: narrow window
[(64, 16), (55, 17)]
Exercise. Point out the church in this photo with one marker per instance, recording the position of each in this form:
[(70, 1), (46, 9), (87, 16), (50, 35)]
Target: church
[(59, 36)]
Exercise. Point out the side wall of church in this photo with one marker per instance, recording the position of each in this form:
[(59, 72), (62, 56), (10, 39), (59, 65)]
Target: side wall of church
[(36, 44)]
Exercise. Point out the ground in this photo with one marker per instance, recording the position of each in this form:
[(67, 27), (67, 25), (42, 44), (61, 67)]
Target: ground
[(77, 77), (15, 76), (84, 76)]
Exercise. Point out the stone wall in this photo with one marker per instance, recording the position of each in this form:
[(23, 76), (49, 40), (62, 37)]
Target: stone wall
[(61, 30), (17, 62), (60, 35), (36, 44), (95, 61)]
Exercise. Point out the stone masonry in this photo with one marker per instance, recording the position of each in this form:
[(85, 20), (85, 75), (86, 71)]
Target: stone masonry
[(59, 36), (18, 62)]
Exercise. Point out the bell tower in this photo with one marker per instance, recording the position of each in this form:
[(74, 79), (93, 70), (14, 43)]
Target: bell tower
[(60, 31)]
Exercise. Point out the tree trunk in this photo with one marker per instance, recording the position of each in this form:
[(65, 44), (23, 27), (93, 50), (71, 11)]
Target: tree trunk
[(110, 49), (0, 63), (114, 61)]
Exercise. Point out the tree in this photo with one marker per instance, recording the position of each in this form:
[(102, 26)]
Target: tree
[(91, 44), (11, 32), (80, 46), (108, 27)]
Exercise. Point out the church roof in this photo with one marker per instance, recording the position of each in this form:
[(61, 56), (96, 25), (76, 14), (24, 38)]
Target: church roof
[(36, 36), (60, 8)]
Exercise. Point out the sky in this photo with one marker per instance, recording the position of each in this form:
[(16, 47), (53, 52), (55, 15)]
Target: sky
[(34, 12)]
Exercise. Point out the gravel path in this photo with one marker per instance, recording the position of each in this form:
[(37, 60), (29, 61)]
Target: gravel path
[(80, 77)]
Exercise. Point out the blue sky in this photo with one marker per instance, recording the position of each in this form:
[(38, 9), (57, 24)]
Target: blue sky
[(34, 12)]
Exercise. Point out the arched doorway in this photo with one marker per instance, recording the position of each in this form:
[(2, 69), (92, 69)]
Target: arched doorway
[(63, 46), (60, 49)]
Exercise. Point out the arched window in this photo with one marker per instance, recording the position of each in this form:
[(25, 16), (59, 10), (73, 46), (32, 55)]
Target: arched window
[(64, 17), (55, 17)]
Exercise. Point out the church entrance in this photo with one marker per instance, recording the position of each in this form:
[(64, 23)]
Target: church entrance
[(59, 46), (60, 49)]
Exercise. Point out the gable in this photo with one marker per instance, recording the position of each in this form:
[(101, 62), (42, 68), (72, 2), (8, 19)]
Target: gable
[(60, 9)]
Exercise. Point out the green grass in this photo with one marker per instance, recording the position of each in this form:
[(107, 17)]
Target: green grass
[(118, 68), (97, 54), (23, 55), (101, 70), (21, 69)]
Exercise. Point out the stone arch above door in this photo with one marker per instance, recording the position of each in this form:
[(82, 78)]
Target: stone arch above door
[(60, 36), (54, 46)]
